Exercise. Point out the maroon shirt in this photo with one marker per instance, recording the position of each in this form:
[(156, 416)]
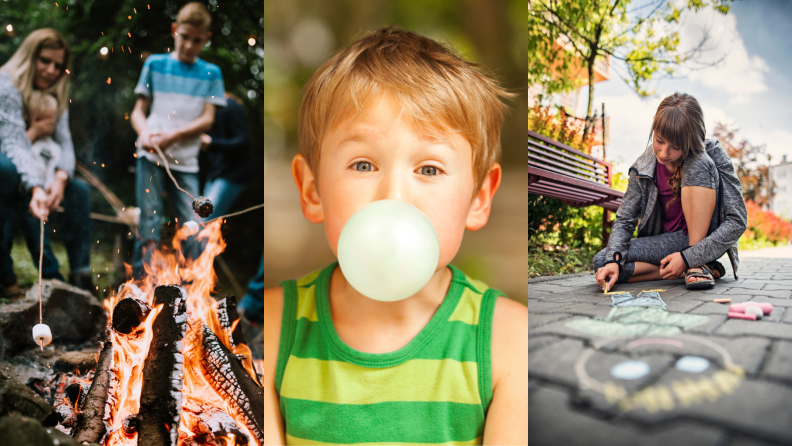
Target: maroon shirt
[(673, 218)]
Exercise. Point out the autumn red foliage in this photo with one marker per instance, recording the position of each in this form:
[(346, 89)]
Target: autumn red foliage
[(765, 224), (560, 126)]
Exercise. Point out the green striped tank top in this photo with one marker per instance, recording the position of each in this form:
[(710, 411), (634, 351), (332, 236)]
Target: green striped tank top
[(435, 390)]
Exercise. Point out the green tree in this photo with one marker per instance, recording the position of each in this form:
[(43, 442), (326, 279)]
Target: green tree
[(644, 38)]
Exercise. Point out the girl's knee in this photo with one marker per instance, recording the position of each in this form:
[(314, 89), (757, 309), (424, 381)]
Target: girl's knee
[(599, 260)]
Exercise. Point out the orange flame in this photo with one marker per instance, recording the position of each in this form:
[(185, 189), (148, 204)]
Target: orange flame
[(197, 277)]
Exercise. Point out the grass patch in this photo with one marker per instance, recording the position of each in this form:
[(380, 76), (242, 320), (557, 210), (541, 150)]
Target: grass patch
[(553, 260)]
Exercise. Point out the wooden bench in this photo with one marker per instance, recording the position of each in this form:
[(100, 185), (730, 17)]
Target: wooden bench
[(556, 170)]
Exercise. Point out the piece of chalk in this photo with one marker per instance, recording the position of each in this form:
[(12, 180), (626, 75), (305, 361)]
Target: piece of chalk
[(191, 227), (42, 334), (750, 317), (722, 301), (754, 310), (740, 308)]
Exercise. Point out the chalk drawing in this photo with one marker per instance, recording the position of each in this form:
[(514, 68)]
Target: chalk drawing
[(659, 397), (638, 321), (644, 299)]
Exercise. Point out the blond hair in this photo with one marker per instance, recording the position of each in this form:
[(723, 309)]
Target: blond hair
[(680, 122), (41, 103), (436, 88), (21, 68), (195, 14)]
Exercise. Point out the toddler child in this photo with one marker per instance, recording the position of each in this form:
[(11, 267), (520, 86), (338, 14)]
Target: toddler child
[(46, 152)]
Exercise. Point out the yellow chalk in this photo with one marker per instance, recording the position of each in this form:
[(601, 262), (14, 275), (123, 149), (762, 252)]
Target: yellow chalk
[(649, 291), (617, 292)]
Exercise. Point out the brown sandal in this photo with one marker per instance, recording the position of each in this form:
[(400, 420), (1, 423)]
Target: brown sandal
[(705, 273)]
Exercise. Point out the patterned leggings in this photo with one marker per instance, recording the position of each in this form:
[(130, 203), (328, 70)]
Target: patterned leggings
[(648, 250)]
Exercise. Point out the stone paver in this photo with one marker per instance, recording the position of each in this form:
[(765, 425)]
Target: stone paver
[(549, 407), (780, 363), (741, 395)]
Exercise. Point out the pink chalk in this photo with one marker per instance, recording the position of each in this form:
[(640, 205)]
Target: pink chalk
[(740, 308), (750, 317)]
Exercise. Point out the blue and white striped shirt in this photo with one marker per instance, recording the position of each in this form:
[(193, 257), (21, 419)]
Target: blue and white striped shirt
[(179, 92)]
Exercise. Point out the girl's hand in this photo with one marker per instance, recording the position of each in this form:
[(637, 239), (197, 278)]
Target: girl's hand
[(672, 267), (607, 274)]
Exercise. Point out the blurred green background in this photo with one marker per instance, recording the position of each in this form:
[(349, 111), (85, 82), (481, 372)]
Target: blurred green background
[(102, 98), (299, 35)]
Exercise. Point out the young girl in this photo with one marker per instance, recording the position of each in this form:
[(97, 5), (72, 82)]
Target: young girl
[(685, 199)]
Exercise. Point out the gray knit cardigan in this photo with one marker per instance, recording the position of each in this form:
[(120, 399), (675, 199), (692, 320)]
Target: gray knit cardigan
[(728, 223), (15, 144)]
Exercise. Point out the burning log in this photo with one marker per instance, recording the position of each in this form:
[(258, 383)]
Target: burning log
[(229, 319), (210, 423), (90, 426), (163, 371), (228, 377), (129, 314)]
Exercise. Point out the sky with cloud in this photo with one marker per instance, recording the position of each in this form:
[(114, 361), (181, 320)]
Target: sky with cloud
[(750, 87)]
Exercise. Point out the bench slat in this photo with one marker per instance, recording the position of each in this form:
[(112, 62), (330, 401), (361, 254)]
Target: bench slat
[(574, 169)]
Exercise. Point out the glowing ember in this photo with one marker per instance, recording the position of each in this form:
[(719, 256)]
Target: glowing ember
[(203, 409)]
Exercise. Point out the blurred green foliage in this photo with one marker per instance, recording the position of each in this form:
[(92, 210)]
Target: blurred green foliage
[(102, 87), (302, 34)]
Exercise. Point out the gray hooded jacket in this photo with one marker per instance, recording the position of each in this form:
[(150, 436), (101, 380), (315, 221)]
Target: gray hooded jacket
[(640, 207)]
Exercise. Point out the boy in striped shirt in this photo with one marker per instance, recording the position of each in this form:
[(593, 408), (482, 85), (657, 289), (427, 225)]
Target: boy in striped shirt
[(397, 116), (182, 91)]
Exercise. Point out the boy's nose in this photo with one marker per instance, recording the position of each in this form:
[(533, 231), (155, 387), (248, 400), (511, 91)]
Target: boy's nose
[(392, 188)]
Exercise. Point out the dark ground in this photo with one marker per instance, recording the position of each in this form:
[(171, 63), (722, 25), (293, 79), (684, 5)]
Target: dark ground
[(744, 397)]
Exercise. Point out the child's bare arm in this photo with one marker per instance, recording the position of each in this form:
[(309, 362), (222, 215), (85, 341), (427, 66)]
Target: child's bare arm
[(198, 125), (273, 311), (139, 114), (507, 419)]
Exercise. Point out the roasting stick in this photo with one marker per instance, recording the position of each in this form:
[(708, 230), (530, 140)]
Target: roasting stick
[(41, 262), (165, 162), (41, 333)]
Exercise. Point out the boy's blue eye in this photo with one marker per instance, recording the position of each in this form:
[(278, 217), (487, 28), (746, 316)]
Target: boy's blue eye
[(429, 171), (363, 166)]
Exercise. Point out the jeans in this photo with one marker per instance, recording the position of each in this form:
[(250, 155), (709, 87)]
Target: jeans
[(222, 193), (75, 225), (150, 182), (252, 305)]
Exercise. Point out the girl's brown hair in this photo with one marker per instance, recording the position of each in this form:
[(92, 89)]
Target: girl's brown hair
[(21, 68), (436, 88), (680, 121)]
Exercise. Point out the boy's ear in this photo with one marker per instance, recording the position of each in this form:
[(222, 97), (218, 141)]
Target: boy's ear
[(174, 25), (306, 185), (482, 203)]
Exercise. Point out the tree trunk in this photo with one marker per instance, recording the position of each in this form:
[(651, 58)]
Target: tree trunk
[(587, 128)]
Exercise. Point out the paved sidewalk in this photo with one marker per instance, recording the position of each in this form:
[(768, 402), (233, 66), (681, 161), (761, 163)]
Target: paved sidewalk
[(673, 370)]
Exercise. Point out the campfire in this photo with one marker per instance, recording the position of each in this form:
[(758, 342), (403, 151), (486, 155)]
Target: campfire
[(175, 368)]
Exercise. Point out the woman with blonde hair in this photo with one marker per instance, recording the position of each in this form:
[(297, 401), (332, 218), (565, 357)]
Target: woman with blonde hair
[(685, 199), (40, 65)]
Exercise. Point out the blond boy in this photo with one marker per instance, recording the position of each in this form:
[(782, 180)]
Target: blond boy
[(397, 116), (183, 91)]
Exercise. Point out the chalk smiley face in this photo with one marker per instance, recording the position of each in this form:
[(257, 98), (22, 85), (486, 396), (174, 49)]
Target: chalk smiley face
[(694, 386)]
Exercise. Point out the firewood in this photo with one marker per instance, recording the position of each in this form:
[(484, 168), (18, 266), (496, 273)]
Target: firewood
[(163, 371), (228, 377), (227, 314), (90, 426), (129, 314), (209, 423)]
